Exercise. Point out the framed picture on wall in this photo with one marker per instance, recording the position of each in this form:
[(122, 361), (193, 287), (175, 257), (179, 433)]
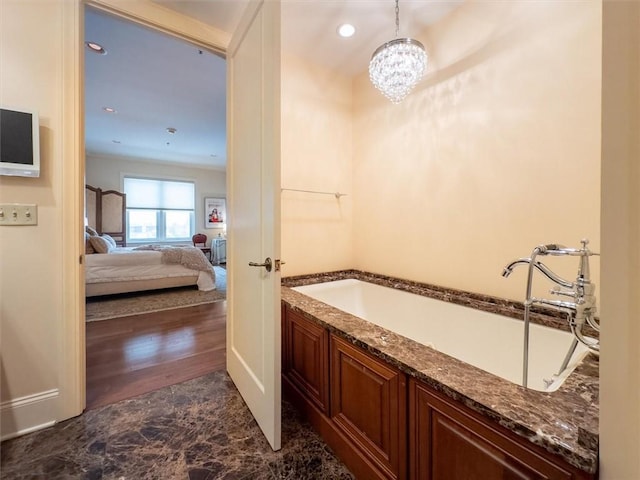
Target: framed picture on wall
[(215, 212)]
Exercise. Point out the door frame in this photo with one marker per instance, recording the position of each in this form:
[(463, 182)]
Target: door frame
[(72, 340)]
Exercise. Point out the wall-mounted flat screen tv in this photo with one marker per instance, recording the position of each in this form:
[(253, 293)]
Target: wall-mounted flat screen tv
[(19, 142)]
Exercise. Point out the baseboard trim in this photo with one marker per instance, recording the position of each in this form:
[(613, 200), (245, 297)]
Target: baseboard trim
[(27, 414)]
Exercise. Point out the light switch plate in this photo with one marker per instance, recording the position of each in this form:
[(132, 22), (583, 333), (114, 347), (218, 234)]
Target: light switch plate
[(18, 214)]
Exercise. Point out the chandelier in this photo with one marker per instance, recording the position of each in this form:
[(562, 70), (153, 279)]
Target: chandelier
[(397, 65)]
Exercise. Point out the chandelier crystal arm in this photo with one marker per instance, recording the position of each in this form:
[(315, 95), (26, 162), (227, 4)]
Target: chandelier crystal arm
[(397, 19)]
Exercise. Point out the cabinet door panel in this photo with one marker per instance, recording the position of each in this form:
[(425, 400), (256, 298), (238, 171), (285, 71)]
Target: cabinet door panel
[(369, 417), (306, 358), (459, 453), (368, 401), (447, 443)]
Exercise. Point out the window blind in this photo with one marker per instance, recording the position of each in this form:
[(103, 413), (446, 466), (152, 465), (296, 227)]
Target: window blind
[(159, 194)]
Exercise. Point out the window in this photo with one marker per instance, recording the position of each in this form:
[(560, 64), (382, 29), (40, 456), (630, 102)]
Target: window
[(159, 210)]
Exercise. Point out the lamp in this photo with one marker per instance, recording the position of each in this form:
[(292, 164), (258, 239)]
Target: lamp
[(397, 65)]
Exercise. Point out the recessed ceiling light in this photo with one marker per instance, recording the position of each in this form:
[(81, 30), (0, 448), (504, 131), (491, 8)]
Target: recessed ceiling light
[(171, 130), (346, 30), (96, 48), (109, 109)]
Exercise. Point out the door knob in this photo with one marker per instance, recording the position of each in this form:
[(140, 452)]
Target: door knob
[(267, 264)]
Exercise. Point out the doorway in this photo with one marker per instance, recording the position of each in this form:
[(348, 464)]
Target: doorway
[(126, 355)]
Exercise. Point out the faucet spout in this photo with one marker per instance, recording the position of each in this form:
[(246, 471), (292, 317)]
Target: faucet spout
[(508, 269), (541, 267)]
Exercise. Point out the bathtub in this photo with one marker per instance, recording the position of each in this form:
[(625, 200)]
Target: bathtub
[(489, 341)]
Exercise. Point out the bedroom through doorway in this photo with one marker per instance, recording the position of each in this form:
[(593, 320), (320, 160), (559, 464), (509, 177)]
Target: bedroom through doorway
[(155, 118)]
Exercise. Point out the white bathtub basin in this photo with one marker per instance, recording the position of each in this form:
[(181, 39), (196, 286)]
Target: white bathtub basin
[(486, 340)]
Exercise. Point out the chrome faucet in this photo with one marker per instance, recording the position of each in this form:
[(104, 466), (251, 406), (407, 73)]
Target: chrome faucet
[(580, 310)]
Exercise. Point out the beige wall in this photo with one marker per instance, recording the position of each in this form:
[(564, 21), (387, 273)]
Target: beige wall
[(107, 173), (620, 304), (316, 155), (30, 258), (496, 151)]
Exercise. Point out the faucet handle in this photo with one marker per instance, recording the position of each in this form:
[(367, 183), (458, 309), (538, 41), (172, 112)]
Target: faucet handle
[(561, 292), (584, 249)]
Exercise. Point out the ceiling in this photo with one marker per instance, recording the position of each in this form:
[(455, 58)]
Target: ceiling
[(156, 82), (309, 26)]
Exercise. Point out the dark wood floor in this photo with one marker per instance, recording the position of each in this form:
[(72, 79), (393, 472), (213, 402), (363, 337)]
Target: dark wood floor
[(129, 356)]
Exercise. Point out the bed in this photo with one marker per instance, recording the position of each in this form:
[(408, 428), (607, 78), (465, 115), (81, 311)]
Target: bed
[(131, 269)]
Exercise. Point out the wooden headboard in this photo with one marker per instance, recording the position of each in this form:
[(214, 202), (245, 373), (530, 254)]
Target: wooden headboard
[(106, 212)]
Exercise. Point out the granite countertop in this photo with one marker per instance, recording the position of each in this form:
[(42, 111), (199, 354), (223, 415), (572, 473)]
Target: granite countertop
[(564, 422)]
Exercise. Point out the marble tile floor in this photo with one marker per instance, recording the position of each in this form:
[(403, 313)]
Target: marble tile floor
[(196, 430)]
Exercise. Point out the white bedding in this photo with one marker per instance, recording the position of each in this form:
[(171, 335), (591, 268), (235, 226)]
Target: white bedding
[(123, 256), (125, 264)]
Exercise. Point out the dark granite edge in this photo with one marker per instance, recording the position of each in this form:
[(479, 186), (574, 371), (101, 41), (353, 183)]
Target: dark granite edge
[(580, 451)]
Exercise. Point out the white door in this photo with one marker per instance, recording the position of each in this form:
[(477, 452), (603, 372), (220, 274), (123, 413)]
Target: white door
[(253, 326)]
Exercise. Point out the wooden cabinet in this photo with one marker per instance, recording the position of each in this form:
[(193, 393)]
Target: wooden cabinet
[(449, 441), (305, 361), (383, 427), (368, 405)]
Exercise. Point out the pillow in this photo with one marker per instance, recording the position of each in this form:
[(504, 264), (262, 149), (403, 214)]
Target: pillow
[(109, 239), (90, 231), (101, 244), (88, 248)]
